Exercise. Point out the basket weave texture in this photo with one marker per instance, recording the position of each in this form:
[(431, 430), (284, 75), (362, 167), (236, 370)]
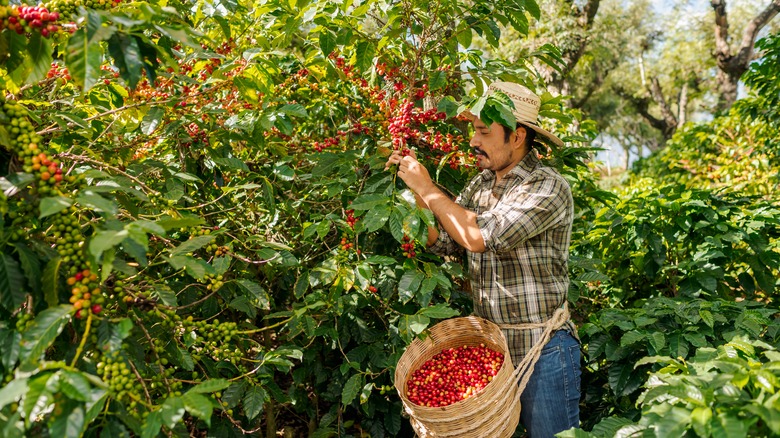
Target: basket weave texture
[(493, 412)]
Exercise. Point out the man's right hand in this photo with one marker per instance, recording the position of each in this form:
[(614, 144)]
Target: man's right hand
[(397, 155)]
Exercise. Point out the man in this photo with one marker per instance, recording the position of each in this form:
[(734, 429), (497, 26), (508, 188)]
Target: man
[(514, 221)]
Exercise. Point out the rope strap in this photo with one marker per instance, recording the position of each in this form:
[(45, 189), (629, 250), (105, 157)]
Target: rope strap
[(526, 367)]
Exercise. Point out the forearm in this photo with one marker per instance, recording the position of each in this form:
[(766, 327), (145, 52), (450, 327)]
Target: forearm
[(458, 222)]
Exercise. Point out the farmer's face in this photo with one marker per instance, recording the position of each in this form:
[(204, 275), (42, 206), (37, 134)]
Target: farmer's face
[(490, 148)]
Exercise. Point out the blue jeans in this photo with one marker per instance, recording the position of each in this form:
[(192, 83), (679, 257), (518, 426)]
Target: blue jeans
[(550, 402)]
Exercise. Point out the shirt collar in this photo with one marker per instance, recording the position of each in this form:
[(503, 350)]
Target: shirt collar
[(521, 171)]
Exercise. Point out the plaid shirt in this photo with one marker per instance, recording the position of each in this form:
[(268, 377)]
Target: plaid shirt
[(525, 220)]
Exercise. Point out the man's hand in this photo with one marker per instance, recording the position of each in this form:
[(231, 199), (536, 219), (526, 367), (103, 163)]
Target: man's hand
[(414, 174)]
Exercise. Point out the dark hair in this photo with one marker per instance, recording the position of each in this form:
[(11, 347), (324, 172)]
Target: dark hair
[(530, 134)]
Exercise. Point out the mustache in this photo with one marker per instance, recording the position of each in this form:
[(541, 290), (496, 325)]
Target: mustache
[(478, 151)]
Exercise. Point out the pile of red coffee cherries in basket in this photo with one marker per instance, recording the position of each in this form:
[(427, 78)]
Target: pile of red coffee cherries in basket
[(453, 375)]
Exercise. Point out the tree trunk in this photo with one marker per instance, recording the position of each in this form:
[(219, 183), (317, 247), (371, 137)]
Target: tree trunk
[(585, 14), (682, 106), (733, 63)]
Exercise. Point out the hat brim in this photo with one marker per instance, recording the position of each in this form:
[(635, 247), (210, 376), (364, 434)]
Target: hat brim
[(547, 135)]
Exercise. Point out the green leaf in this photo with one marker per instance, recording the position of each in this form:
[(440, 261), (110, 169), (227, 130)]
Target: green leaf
[(127, 59), (707, 317), (351, 389), (393, 420), (53, 205), (13, 47), (31, 265), (673, 423), (327, 42), (448, 106), (104, 240), (75, 386), (13, 391), (397, 223), (97, 203), (111, 334), (364, 55), (533, 8), (70, 423), (369, 202), (84, 54), (294, 109), (728, 425), (211, 385), (182, 222), (254, 397), (416, 324), (409, 284), (166, 295), (376, 218), (199, 406), (172, 411), (192, 245), (152, 425), (658, 341), (233, 394), (439, 311), (700, 420), (765, 380), (258, 293), (11, 283), (152, 120), (437, 80), (631, 338), (39, 58), (44, 330)]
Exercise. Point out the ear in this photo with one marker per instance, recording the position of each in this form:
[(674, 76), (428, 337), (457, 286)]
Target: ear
[(517, 140)]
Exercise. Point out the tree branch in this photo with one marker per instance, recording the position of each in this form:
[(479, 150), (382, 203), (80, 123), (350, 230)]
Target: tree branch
[(642, 106), (745, 52), (658, 96), (722, 49)]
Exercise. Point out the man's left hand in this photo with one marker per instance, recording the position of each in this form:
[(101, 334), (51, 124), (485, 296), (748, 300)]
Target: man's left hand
[(414, 174)]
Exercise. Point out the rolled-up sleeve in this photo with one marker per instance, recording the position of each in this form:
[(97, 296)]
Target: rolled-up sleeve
[(540, 203), (446, 245)]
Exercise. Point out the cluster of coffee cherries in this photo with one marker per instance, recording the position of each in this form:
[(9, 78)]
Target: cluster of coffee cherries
[(211, 338), (196, 135), (85, 296), (408, 247), (345, 244), (214, 282), (58, 72), (65, 231), (34, 19), (399, 124), (22, 216), (453, 375), (24, 320), (27, 145), (218, 250), (48, 169), (351, 219), (319, 146), (122, 383), (68, 8)]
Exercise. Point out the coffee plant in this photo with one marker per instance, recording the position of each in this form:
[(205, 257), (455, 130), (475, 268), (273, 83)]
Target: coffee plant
[(676, 282), (199, 235), (198, 231)]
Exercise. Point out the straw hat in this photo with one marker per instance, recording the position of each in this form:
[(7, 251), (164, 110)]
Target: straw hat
[(526, 109)]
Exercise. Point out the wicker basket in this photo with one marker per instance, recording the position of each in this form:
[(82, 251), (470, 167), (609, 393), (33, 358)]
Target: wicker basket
[(493, 412)]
